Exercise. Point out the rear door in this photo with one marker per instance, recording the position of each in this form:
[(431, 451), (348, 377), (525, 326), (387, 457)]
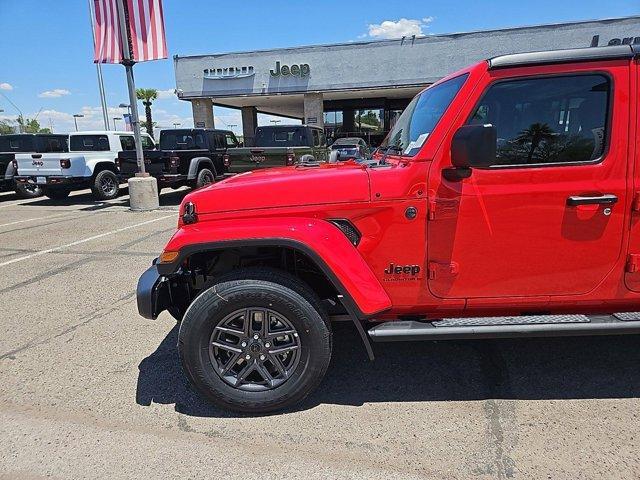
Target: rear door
[(538, 222)]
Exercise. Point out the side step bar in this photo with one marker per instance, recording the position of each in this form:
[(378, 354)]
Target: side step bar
[(507, 327)]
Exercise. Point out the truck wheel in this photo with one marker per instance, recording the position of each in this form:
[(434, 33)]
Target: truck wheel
[(254, 346), (28, 190), (204, 178), (106, 185), (56, 193)]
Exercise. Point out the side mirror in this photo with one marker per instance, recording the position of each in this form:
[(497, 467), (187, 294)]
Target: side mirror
[(474, 146)]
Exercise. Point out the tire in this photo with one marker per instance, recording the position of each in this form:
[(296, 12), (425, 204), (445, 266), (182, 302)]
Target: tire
[(205, 177), (56, 193), (306, 337), (106, 185), (28, 190)]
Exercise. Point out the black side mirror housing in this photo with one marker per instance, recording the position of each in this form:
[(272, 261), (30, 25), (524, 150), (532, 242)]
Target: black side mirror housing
[(474, 146)]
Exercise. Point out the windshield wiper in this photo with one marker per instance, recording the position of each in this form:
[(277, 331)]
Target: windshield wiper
[(390, 148)]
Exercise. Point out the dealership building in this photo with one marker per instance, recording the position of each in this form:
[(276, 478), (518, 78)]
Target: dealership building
[(360, 88)]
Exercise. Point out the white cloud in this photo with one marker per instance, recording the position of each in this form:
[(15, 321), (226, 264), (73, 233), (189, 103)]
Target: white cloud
[(6, 86), (164, 94), (398, 28), (55, 93)]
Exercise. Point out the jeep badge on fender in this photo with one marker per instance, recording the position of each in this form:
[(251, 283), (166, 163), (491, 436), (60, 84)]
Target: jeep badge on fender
[(405, 269)]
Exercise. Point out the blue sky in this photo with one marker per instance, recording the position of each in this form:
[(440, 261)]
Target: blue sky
[(46, 49)]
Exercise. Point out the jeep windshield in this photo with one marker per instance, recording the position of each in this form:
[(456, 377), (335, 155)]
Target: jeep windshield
[(420, 118)]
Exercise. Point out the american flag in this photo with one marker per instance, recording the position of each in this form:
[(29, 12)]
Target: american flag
[(145, 26)]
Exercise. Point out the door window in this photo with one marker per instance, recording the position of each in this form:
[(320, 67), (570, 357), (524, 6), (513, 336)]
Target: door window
[(127, 142), (147, 143), (230, 140), (88, 143), (220, 141), (316, 137), (547, 120)]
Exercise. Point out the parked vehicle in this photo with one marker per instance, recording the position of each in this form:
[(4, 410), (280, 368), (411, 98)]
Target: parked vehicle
[(350, 148), (351, 141), (505, 202), (26, 143), (90, 163), (193, 157), (280, 145)]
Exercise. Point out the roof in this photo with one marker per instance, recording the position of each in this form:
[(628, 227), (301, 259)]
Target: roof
[(588, 54), (104, 132)]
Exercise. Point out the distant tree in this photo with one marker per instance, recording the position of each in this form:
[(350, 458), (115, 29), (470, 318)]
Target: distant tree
[(30, 125), (147, 95), (6, 128)]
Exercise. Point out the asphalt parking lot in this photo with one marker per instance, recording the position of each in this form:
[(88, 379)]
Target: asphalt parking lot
[(88, 389)]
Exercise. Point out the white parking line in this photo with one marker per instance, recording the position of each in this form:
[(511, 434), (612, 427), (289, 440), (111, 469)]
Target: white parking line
[(84, 240), (32, 220)]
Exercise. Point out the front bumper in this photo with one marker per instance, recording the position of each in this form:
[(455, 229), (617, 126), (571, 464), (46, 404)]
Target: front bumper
[(153, 293), (52, 180)]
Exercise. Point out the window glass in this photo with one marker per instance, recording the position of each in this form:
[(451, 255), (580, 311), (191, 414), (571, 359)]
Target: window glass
[(230, 140), (316, 137), (279, 136), (220, 142), (127, 142), (185, 140), (88, 143), (147, 143), (547, 120), (421, 116)]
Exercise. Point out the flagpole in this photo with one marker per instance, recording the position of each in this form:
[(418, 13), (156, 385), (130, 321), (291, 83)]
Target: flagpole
[(133, 101), (103, 101)]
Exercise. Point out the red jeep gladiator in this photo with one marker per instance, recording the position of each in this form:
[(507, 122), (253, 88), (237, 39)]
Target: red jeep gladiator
[(505, 202)]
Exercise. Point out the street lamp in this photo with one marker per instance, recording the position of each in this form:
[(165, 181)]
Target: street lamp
[(114, 122), (275, 121), (176, 125), (76, 116), (127, 106)]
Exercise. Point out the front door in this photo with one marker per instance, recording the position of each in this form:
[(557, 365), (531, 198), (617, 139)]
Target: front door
[(548, 218)]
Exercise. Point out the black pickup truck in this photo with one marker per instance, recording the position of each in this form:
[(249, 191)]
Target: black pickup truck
[(26, 143), (194, 157)]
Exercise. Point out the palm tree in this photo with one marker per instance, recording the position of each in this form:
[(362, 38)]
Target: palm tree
[(536, 134), (147, 95)]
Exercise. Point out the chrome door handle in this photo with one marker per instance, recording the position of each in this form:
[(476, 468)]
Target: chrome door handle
[(607, 199)]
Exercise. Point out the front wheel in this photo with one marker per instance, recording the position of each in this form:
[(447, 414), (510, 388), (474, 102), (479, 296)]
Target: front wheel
[(28, 190), (106, 185), (254, 346)]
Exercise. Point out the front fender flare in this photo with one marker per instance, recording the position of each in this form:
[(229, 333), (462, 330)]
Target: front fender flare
[(362, 293)]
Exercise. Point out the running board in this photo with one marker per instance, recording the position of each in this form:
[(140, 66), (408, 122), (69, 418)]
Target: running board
[(507, 327)]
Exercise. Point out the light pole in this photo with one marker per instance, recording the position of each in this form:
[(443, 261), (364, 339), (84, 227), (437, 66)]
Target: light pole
[(275, 122), (76, 116), (176, 125), (114, 122), (127, 106)]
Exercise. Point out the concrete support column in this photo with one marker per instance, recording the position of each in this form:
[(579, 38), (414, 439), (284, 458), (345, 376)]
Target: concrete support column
[(313, 110), (202, 109), (249, 124), (348, 120)]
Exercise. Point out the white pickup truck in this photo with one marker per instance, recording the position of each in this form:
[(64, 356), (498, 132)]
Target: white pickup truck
[(90, 163)]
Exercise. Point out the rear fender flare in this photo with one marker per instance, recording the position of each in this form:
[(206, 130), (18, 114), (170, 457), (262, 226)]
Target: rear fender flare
[(194, 167)]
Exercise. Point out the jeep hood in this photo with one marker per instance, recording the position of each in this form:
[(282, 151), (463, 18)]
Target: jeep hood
[(283, 187)]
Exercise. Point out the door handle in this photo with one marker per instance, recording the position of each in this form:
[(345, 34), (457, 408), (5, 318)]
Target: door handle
[(607, 199)]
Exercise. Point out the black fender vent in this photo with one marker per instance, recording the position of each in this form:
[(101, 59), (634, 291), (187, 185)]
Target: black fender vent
[(350, 231)]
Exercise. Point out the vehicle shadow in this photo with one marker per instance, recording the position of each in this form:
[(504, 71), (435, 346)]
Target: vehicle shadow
[(519, 369)]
